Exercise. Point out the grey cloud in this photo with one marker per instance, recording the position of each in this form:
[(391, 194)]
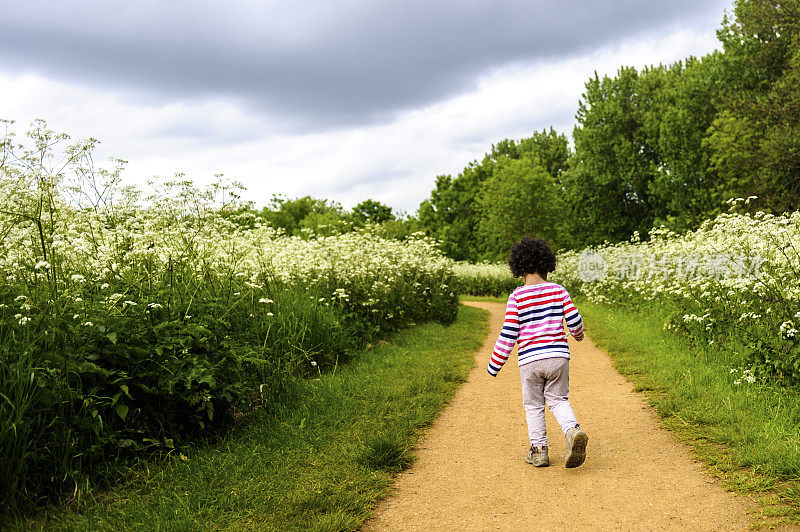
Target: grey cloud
[(317, 64)]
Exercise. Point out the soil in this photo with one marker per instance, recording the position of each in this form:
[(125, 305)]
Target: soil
[(470, 472)]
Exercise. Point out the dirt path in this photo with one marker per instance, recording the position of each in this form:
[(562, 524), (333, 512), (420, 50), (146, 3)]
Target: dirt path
[(471, 474)]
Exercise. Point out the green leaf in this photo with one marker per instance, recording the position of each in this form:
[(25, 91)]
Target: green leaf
[(112, 337), (122, 411)]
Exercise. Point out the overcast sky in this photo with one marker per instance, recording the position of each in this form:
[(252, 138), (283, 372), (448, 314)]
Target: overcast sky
[(344, 100)]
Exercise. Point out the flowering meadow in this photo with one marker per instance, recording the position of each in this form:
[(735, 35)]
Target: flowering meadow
[(131, 325), (484, 279), (734, 282)]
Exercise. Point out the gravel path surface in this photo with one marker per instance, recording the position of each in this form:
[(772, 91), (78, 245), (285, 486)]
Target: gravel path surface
[(471, 474)]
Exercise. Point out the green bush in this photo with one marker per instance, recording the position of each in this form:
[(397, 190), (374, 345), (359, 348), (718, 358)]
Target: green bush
[(128, 329)]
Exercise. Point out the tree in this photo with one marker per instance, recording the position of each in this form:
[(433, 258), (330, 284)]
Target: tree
[(520, 198), (685, 189), (615, 161), (755, 141), (371, 211), (452, 214), (549, 149), (293, 215)]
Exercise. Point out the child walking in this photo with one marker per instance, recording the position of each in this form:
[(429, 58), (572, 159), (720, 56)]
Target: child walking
[(534, 321)]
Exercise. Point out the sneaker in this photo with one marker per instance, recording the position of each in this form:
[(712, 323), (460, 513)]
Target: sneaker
[(576, 447), (538, 456)]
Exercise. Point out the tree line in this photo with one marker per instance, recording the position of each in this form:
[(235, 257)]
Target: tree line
[(663, 145)]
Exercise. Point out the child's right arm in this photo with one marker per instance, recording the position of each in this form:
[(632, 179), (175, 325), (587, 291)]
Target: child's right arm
[(508, 337), (572, 317)]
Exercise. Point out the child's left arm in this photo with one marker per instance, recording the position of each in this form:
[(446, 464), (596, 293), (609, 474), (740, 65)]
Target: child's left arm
[(572, 316)]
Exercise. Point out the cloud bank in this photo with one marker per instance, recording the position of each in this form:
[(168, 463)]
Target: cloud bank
[(314, 63)]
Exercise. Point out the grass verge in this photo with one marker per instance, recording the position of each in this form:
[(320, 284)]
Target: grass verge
[(483, 299), (319, 463), (746, 433)]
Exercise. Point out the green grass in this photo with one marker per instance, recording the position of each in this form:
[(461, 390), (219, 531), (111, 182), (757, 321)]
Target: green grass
[(747, 434), (485, 299), (319, 463)]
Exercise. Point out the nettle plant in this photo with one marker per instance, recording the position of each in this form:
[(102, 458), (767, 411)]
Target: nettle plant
[(132, 324)]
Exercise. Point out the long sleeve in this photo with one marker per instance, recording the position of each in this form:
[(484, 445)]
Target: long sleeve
[(572, 316), (508, 337)]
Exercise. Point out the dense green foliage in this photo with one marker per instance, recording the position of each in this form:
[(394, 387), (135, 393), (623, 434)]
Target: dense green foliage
[(755, 139), (475, 214), (318, 462), (665, 145), (128, 328), (307, 215)]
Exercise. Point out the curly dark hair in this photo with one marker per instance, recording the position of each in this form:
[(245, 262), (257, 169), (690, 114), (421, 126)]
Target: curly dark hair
[(531, 255)]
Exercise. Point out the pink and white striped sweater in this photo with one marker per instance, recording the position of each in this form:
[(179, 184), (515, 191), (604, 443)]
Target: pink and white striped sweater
[(534, 319)]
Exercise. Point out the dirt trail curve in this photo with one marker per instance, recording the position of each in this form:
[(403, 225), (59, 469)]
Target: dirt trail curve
[(471, 475)]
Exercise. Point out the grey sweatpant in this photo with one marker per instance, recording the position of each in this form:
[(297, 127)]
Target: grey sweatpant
[(546, 381)]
